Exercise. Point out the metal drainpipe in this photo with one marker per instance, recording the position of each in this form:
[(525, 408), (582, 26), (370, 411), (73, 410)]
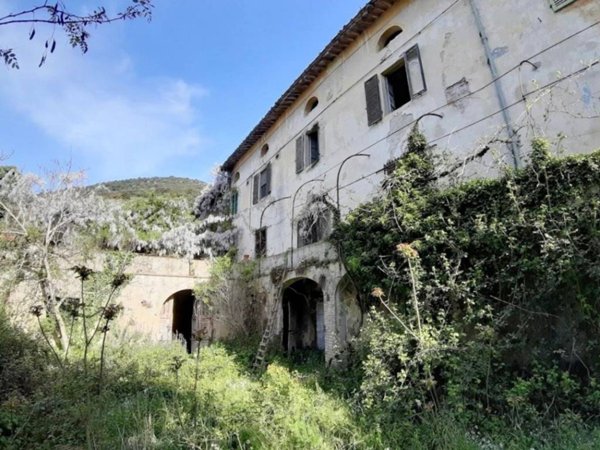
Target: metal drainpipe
[(513, 144)]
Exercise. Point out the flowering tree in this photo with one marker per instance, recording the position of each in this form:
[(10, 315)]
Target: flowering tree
[(171, 225), (40, 221)]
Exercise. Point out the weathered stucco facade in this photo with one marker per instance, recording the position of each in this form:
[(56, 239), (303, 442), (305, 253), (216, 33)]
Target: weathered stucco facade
[(158, 302), (495, 74)]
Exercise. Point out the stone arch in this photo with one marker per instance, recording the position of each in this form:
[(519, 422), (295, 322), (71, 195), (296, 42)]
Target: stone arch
[(349, 313), (178, 317), (303, 315)]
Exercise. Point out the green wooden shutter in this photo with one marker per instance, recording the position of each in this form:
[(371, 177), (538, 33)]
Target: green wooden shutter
[(256, 187), (300, 154), (374, 111)]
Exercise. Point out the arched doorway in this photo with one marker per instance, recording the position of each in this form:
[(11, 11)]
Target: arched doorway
[(181, 305), (303, 316)]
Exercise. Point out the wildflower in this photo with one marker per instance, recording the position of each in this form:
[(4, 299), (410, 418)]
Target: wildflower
[(82, 272), (72, 305), (36, 310), (407, 251), (176, 363), (119, 280), (111, 311), (377, 293)]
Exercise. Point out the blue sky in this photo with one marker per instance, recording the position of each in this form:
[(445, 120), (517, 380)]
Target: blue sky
[(171, 97)]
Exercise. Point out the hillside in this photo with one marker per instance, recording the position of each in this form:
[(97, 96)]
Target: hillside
[(143, 187)]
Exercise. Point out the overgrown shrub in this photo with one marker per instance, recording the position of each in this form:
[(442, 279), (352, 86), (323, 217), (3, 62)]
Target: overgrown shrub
[(485, 293)]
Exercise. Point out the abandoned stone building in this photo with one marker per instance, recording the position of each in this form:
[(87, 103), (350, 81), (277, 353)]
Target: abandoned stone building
[(471, 73)]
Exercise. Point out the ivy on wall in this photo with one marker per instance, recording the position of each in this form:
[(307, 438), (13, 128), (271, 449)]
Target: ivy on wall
[(484, 294)]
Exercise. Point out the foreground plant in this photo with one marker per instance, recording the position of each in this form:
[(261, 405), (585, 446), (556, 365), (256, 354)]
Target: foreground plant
[(486, 290)]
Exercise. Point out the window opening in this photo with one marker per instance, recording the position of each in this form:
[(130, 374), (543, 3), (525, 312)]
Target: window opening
[(308, 150), (236, 177), (311, 230), (388, 36), (260, 242), (401, 83), (398, 87), (313, 146), (264, 150), (262, 184), (311, 104)]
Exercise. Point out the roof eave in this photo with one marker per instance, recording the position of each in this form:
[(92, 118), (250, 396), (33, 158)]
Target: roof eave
[(345, 37)]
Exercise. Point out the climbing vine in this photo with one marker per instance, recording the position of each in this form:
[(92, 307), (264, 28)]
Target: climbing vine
[(484, 294)]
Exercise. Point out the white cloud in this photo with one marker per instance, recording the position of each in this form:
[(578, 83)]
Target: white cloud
[(120, 122)]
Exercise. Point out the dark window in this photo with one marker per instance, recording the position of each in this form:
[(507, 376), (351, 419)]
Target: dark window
[(234, 202), (397, 86), (260, 242), (311, 230), (307, 150), (311, 104), (313, 146), (264, 150), (262, 184)]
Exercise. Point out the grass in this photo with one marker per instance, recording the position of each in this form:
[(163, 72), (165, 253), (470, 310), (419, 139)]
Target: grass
[(297, 403)]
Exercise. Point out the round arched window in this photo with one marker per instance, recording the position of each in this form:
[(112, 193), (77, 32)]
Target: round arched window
[(388, 36), (311, 104)]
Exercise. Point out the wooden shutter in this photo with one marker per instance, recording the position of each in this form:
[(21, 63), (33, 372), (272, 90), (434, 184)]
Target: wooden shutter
[(374, 111), (559, 4), (414, 71), (256, 187), (268, 175), (300, 154), (234, 202)]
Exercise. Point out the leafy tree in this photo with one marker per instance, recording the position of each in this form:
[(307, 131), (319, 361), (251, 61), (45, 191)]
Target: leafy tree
[(75, 26)]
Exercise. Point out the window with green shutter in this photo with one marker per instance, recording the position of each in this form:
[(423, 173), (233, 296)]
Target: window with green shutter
[(401, 83), (261, 184), (234, 202), (308, 149)]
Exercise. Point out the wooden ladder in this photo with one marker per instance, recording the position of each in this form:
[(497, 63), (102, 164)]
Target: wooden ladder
[(259, 359)]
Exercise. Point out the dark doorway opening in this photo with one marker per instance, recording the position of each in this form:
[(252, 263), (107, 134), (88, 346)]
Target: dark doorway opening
[(183, 314), (303, 316)]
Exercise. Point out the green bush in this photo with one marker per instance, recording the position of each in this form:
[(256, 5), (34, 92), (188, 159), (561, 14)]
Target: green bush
[(484, 293)]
